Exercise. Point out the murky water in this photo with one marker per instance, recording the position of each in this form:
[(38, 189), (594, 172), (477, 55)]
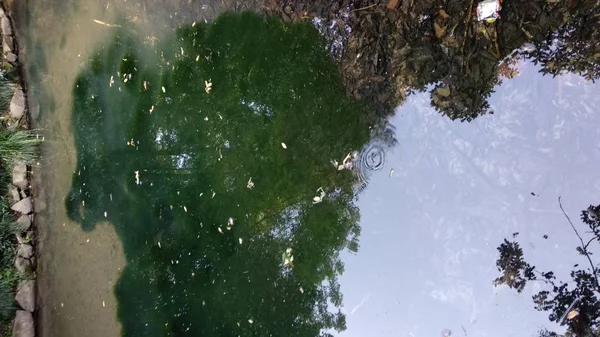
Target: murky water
[(77, 270), (191, 184)]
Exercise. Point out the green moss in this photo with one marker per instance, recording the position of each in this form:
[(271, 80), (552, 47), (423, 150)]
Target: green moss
[(194, 153)]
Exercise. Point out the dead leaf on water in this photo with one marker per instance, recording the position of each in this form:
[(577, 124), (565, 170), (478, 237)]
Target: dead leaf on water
[(439, 31), (443, 91)]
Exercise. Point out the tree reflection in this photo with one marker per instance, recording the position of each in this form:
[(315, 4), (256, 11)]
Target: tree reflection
[(168, 162), (442, 48), (575, 305)]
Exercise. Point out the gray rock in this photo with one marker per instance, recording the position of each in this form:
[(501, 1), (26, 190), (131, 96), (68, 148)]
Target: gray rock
[(23, 325), (13, 193), (26, 295), (17, 103), (11, 57), (19, 175), (24, 222), (6, 26), (8, 44), (23, 265), (24, 206), (25, 251)]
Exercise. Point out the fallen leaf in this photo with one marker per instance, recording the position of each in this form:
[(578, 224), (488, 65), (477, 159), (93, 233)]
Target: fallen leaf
[(443, 91), (439, 31), (392, 4), (443, 14)]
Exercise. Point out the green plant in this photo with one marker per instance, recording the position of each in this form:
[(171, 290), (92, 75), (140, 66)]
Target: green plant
[(18, 146), (6, 90), (7, 302)]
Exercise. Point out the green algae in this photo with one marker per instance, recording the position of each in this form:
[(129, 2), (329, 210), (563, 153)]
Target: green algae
[(168, 163)]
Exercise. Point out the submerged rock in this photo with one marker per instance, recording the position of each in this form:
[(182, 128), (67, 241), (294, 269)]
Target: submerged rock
[(24, 206), (26, 295), (17, 103), (23, 326)]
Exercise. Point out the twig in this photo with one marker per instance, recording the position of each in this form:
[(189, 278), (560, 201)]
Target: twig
[(588, 243), (106, 24), (362, 8), (467, 23), (583, 245)]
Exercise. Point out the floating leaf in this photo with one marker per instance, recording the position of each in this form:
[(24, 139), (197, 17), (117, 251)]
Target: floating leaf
[(439, 31), (443, 91)]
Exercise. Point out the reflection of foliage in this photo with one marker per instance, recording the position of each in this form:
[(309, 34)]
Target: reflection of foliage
[(573, 46), (515, 270), (194, 153), (508, 68), (440, 44), (577, 305)]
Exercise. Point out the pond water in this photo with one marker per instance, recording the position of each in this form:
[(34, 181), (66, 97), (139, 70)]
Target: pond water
[(195, 183)]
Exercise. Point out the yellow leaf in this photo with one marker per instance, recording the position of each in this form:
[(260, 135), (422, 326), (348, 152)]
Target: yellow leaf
[(443, 14)]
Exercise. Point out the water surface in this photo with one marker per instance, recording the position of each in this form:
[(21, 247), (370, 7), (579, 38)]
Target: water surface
[(423, 263)]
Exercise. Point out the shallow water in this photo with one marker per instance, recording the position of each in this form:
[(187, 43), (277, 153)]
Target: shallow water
[(414, 253)]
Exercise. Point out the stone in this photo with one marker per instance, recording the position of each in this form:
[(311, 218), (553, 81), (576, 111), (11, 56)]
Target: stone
[(8, 44), (23, 326), (26, 295), (6, 26), (19, 175), (23, 265), (13, 193), (23, 223), (11, 57), (24, 206), (17, 104), (25, 251)]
